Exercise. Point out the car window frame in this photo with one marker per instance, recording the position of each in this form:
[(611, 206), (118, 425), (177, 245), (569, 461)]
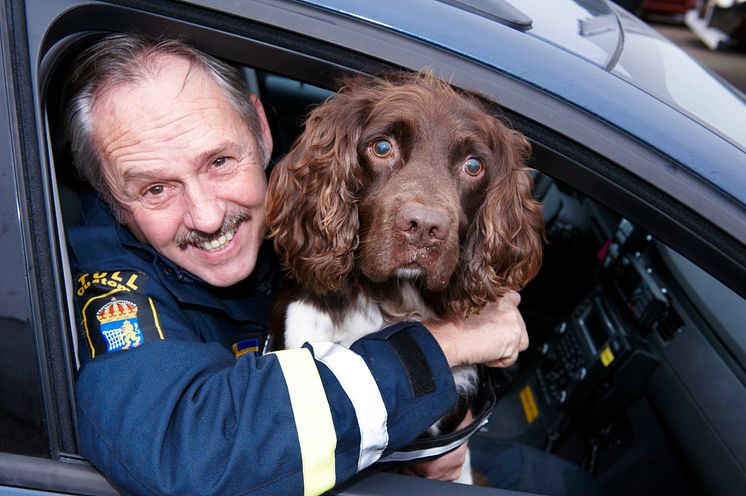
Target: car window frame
[(590, 173)]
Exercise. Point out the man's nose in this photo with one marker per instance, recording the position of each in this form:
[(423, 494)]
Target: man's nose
[(204, 211)]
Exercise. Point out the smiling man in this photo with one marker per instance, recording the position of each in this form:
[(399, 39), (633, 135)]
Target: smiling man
[(187, 173), (174, 286)]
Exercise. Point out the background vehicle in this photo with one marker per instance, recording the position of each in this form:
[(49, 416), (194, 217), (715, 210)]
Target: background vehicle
[(637, 367)]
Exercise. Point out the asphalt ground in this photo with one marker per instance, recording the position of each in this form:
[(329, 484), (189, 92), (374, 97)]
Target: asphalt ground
[(729, 64)]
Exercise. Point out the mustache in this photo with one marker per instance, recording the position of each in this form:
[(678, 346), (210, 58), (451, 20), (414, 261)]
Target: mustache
[(196, 238)]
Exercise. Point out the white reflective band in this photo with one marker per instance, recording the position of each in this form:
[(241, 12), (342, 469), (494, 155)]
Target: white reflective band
[(404, 456), (353, 374), (313, 419)]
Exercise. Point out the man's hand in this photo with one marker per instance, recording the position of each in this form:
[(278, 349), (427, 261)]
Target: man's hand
[(446, 467), (494, 336)]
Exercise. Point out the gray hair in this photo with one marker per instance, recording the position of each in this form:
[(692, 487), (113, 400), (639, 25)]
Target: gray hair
[(127, 58)]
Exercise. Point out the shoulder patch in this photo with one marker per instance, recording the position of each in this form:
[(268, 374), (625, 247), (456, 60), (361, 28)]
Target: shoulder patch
[(116, 312)]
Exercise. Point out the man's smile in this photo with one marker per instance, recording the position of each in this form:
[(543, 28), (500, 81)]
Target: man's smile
[(217, 240), (220, 242)]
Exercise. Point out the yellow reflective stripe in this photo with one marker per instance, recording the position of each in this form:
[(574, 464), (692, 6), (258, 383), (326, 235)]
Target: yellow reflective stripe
[(313, 419), (361, 388)]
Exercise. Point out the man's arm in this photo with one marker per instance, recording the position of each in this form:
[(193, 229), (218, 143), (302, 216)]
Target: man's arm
[(182, 417), (509, 337)]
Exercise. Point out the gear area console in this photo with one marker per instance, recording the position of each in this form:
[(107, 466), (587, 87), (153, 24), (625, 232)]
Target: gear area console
[(571, 388), (589, 369)]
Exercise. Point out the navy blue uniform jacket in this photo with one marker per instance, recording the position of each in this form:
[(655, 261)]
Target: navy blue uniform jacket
[(173, 399)]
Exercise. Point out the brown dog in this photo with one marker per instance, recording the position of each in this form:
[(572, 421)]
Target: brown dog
[(403, 199)]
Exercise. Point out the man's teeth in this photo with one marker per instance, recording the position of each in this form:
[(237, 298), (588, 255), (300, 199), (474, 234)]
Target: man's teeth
[(219, 242)]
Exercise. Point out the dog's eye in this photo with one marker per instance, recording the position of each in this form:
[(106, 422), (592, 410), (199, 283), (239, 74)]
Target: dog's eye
[(381, 148), (473, 166)]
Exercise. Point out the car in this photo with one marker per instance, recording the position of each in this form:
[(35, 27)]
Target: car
[(637, 365)]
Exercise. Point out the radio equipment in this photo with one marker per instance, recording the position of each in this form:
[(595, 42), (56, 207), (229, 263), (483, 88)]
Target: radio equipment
[(581, 350)]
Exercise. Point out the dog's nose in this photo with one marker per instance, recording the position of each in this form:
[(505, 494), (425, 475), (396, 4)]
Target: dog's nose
[(422, 226)]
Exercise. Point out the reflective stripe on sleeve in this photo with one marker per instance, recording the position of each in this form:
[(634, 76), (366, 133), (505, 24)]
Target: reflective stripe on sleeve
[(360, 386), (313, 419)]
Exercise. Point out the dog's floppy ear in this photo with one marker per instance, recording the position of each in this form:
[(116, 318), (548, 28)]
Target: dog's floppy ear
[(504, 243), (312, 198)]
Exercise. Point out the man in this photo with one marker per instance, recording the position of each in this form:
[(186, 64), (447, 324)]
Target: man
[(174, 287)]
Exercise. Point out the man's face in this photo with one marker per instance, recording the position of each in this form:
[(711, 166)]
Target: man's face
[(186, 170)]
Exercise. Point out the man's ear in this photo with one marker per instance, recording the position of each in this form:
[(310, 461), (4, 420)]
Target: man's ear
[(266, 134)]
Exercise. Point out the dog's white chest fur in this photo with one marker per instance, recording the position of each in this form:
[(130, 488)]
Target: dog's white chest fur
[(307, 323)]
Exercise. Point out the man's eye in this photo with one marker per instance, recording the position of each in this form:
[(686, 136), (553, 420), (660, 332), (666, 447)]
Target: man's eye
[(156, 194), (219, 161), (381, 148), (156, 190)]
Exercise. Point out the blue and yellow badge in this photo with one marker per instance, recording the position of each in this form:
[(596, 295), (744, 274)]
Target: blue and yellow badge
[(253, 342), (119, 325), (246, 346), (116, 312)]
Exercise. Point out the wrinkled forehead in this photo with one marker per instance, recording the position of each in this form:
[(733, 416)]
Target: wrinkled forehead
[(167, 74), (173, 90), (164, 124)]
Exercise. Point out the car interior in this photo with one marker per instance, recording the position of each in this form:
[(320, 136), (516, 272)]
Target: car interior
[(637, 365)]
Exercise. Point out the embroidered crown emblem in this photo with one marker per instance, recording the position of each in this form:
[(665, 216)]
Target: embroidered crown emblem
[(117, 310)]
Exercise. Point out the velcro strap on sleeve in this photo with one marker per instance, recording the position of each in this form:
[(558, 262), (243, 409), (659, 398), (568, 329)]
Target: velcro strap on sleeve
[(419, 374)]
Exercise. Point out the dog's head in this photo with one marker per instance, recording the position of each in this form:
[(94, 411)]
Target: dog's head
[(406, 177)]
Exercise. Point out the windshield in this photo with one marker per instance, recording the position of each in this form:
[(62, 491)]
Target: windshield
[(665, 71)]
